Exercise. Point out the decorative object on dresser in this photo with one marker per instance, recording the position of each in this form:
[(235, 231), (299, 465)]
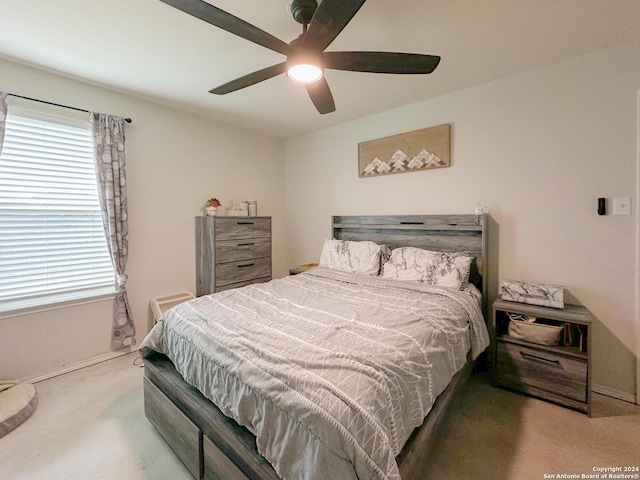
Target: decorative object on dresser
[(559, 373), (232, 252), (211, 207), (238, 209), (252, 206), (407, 152), (541, 294)]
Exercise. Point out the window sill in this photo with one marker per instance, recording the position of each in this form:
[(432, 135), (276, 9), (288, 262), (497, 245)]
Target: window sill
[(56, 306)]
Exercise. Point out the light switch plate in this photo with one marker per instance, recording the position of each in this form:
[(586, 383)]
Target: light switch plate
[(622, 205)]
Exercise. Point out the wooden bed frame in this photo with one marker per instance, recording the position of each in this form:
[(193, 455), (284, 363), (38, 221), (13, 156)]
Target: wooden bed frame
[(214, 447)]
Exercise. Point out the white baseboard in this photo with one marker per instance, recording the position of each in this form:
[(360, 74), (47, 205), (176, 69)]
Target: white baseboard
[(77, 366), (610, 392)]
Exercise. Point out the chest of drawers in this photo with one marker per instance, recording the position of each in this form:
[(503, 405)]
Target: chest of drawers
[(232, 252)]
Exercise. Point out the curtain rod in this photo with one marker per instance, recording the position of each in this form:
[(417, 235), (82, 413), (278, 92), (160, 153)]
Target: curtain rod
[(128, 120)]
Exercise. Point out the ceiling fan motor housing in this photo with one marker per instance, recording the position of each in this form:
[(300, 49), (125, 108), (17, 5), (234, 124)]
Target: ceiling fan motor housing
[(303, 10)]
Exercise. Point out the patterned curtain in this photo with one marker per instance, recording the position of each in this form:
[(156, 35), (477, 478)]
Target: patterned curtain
[(3, 117), (108, 144)]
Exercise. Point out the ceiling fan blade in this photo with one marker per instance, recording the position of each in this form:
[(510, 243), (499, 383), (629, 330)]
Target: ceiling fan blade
[(329, 20), (230, 23), (321, 96), (380, 62), (250, 79)]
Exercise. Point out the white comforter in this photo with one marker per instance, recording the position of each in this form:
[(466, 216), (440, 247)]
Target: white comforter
[(331, 371)]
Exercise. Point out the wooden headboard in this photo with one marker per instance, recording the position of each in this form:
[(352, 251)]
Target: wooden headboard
[(443, 233)]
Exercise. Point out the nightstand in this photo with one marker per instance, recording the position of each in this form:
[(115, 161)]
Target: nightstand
[(558, 373), (302, 268)]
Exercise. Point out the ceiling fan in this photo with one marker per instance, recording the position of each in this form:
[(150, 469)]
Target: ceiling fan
[(306, 56)]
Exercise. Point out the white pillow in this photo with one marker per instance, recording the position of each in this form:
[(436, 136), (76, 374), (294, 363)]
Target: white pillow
[(444, 269), (356, 257)]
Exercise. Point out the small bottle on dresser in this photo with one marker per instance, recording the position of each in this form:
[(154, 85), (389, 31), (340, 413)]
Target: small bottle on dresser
[(253, 208)]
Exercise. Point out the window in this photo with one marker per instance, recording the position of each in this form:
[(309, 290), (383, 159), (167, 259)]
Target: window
[(52, 244)]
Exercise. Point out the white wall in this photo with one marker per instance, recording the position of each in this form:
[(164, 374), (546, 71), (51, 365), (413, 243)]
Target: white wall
[(175, 161), (538, 149)]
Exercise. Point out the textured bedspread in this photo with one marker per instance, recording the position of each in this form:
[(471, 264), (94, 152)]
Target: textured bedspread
[(331, 371)]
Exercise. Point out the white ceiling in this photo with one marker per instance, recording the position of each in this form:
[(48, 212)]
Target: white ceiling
[(149, 49)]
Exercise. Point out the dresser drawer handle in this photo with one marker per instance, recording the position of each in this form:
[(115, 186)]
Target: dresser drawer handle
[(246, 265), (411, 223), (535, 358), (246, 244), (245, 223)]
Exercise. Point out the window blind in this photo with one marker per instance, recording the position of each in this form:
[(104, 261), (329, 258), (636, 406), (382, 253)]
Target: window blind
[(52, 243)]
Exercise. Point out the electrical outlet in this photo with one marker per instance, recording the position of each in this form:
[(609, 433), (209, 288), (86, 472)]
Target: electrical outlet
[(622, 205)]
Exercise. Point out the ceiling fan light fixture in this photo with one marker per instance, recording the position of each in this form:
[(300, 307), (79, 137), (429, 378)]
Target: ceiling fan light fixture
[(304, 73)]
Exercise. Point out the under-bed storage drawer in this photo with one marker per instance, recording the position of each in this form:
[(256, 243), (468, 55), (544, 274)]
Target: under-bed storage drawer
[(217, 465), (182, 435), (562, 375)]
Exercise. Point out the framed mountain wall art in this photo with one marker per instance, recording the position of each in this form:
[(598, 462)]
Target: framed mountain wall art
[(406, 152)]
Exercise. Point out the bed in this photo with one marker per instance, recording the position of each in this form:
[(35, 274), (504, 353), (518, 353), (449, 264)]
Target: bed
[(307, 423)]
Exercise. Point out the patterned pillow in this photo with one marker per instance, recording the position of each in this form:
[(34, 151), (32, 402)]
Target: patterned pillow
[(444, 269), (355, 257)]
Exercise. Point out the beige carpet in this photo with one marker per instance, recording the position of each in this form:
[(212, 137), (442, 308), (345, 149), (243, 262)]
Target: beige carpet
[(90, 425)]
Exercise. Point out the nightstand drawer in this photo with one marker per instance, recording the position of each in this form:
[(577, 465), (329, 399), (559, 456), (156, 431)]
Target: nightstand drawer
[(236, 250), (239, 227), (242, 271), (562, 375)]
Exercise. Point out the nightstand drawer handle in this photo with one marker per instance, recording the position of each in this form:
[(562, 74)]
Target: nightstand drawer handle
[(411, 223), (246, 244), (534, 358), (246, 265), (245, 223)]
